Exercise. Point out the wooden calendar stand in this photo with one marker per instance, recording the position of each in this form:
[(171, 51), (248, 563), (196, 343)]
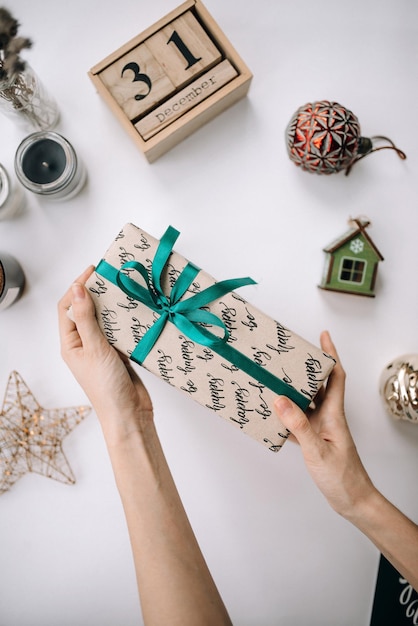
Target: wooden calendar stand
[(172, 78)]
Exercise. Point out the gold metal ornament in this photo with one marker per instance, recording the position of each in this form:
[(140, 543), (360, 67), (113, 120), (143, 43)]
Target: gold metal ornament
[(31, 437), (399, 388)]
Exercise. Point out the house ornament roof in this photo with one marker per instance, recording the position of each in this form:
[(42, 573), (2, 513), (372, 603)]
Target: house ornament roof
[(359, 226)]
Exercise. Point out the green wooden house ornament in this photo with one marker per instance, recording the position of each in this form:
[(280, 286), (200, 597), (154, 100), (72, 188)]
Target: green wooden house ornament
[(351, 262)]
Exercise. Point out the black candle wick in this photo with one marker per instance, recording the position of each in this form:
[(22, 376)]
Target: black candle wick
[(44, 161)]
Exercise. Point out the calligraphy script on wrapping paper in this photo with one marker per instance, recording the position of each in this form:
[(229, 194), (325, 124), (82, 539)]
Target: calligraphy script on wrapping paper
[(138, 330), (143, 244), (99, 287), (187, 355), (249, 321), (283, 337), (409, 600), (242, 397), (313, 371), (229, 318), (395, 600), (165, 362), (110, 325)]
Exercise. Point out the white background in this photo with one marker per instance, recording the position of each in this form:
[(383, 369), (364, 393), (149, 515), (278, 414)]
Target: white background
[(277, 552)]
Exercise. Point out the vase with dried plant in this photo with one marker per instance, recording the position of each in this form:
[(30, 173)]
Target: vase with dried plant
[(23, 97)]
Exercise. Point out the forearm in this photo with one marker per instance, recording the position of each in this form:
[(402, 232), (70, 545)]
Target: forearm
[(391, 531), (174, 582)]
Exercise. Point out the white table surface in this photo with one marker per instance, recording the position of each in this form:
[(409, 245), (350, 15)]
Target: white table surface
[(277, 552)]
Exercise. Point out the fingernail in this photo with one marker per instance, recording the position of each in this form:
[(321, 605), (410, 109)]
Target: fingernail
[(78, 292), (282, 404)]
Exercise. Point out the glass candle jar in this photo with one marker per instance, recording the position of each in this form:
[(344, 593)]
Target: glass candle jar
[(47, 164), (12, 280), (11, 196)]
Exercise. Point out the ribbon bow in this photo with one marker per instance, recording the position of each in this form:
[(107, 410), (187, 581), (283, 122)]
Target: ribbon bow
[(188, 315)]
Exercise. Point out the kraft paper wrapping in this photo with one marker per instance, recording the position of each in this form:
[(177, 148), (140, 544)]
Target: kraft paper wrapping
[(196, 370)]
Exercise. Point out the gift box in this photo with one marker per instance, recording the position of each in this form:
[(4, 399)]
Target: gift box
[(200, 336)]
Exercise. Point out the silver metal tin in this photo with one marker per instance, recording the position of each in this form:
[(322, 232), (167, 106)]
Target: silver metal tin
[(12, 280)]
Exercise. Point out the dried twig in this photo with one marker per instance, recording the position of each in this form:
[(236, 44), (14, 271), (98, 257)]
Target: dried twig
[(10, 46)]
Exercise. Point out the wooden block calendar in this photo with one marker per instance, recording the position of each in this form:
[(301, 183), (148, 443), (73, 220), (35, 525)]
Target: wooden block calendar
[(172, 78)]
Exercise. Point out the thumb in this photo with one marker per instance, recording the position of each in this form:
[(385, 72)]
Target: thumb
[(84, 314), (295, 420)]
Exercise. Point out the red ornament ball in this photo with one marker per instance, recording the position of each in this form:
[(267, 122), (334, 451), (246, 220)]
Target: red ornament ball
[(324, 137)]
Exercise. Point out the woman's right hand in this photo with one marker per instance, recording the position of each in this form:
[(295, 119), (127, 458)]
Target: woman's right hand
[(327, 445)]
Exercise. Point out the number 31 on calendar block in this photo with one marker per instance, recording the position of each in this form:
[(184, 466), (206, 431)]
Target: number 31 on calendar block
[(160, 66), (178, 66)]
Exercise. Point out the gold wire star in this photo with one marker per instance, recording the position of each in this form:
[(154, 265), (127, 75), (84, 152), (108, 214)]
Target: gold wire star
[(31, 437)]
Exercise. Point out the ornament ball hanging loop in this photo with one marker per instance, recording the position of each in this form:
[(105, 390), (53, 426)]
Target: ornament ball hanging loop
[(324, 137), (369, 148)]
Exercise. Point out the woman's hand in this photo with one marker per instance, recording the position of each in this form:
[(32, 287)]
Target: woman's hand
[(113, 388), (328, 449), (174, 583)]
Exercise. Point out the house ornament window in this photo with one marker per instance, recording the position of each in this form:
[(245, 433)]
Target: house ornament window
[(352, 270)]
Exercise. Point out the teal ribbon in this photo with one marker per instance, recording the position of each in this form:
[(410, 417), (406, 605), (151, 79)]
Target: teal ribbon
[(188, 315)]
